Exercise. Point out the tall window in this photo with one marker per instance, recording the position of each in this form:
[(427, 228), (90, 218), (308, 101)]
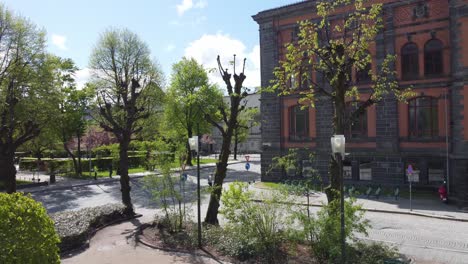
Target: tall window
[(362, 76), (298, 123), (433, 57), (358, 126), (409, 61), (423, 117)]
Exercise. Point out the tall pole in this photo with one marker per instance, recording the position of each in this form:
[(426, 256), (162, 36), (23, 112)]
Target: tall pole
[(198, 187), (343, 237), (447, 142)]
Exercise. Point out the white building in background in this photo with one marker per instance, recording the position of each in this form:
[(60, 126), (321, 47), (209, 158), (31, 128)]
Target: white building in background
[(254, 140)]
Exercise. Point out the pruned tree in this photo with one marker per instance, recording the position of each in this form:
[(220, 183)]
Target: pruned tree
[(27, 88), (334, 48), (123, 74), (225, 118)]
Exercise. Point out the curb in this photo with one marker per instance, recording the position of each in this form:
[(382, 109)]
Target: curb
[(52, 188), (383, 211)]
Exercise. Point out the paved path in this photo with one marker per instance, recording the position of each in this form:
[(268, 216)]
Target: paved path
[(116, 245)]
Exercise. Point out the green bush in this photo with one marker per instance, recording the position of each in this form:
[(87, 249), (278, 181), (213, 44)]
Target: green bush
[(372, 253), (27, 234), (254, 228), (324, 230)]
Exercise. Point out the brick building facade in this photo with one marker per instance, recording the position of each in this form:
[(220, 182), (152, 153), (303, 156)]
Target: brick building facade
[(430, 39)]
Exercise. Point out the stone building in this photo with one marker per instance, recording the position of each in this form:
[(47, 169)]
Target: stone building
[(430, 39), (253, 142)]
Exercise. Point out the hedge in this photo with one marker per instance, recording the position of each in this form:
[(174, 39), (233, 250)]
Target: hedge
[(75, 227), (67, 164)]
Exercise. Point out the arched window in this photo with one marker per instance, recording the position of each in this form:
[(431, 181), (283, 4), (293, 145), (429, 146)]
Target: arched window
[(358, 126), (409, 61), (433, 57), (423, 117), (298, 123)]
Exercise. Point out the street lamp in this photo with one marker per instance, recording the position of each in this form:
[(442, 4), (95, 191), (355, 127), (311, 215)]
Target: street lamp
[(194, 143), (338, 149)]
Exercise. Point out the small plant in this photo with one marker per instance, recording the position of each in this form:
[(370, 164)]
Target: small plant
[(27, 234), (163, 190)]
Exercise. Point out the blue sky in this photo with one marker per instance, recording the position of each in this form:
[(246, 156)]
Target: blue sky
[(172, 28)]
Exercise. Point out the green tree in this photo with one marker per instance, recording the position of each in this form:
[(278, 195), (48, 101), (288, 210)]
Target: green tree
[(189, 81), (124, 75), (333, 51), (225, 118), (247, 119), (71, 122), (26, 88)]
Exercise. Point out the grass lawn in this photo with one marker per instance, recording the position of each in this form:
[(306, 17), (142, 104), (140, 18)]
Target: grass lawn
[(105, 173)]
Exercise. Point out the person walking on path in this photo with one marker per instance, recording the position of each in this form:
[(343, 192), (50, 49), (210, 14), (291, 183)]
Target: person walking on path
[(110, 170)]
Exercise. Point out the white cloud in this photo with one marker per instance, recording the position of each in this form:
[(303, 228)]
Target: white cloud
[(208, 47), (186, 5), (82, 76), (59, 41), (170, 47)]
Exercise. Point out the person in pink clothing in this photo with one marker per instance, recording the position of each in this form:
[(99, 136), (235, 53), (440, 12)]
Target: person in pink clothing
[(443, 193)]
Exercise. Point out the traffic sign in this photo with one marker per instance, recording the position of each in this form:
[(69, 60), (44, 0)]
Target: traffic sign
[(247, 166), (409, 170), (247, 158), (183, 177)]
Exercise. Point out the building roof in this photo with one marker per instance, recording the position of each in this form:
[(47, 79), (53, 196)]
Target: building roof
[(282, 9)]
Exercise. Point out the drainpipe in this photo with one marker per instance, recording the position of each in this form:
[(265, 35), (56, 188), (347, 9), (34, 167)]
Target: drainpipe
[(447, 142)]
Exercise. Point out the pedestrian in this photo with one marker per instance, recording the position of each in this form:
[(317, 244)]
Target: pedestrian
[(110, 170), (95, 172), (210, 180)]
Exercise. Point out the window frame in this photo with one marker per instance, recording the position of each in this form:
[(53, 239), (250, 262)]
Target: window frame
[(362, 132), (409, 61), (433, 58), (293, 135), (433, 128)]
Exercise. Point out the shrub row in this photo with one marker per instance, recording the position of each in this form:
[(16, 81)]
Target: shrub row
[(75, 227), (67, 164)]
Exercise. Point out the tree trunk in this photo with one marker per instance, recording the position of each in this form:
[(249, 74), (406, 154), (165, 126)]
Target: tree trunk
[(220, 174), (8, 175), (333, 189), (124, 178), (189, 152), (236, 140), (80, 169), (75, 163)]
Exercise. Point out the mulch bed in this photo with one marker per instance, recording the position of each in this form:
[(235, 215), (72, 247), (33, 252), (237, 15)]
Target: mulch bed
[(158, 237)]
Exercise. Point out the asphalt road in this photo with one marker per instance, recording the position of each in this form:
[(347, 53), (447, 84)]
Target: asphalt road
[(426, 240)]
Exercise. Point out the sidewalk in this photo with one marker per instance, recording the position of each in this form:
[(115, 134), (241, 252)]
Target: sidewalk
[(420, 207), (116, 244), (66, 183)]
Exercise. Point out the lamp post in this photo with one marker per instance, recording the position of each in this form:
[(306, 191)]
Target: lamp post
[(338, 149), (194, 143)]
